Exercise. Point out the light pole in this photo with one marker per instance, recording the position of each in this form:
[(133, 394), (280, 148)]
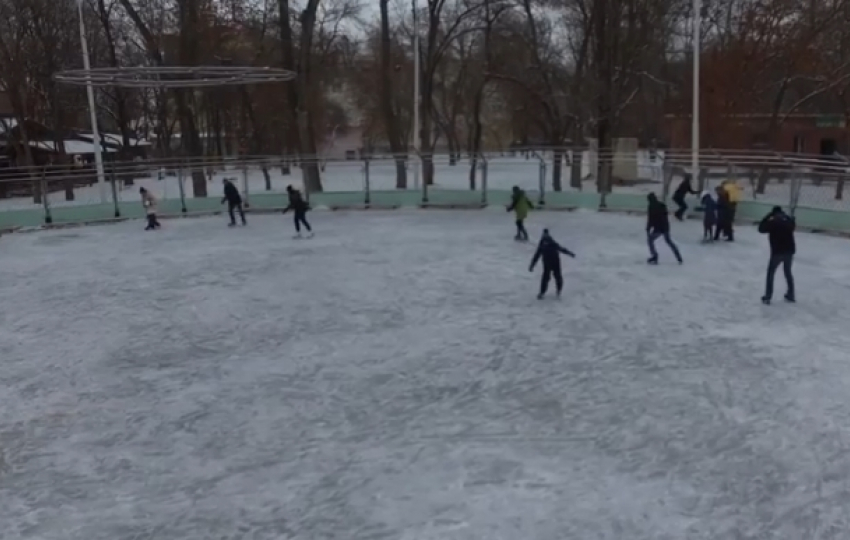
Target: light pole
[(695, 92), (98, 158), (416, 98)]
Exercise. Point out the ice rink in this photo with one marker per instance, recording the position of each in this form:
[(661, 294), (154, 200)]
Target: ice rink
[(395, 378)]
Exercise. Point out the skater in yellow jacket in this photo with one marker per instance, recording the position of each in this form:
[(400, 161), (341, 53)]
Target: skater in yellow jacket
[(520, 205)]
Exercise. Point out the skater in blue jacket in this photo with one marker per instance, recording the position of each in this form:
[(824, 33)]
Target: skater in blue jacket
[(550, 251)]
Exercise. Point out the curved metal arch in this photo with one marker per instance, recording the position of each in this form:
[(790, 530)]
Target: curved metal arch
[(174, 76)]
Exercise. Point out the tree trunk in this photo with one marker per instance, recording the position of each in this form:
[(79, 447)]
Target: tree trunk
[(604, 76), (425, 144), (557, 167), (397, 146), (301, 135)]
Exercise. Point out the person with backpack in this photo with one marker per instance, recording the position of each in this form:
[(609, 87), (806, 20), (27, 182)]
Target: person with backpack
[(779, 227), (299, 208)]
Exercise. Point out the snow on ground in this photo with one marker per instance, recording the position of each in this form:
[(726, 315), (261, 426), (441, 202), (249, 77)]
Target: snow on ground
[(395, 378), (503, 173)]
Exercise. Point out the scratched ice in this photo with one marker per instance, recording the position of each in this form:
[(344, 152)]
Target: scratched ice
[(395, 378)]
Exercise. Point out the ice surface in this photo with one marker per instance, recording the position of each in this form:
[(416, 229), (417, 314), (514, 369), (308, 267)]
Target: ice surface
[(394, 378)]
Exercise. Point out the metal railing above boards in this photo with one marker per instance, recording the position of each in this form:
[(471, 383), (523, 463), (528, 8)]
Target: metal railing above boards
[(553, 177)]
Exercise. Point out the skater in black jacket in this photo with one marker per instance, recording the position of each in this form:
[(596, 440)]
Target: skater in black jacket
[(299, 207), (550, 251), (779, 227), (234, 202), (725, 216), (658, 225), (679, 195)]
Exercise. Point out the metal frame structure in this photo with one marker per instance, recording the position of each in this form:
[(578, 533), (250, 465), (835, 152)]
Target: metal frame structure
[(174, 76)]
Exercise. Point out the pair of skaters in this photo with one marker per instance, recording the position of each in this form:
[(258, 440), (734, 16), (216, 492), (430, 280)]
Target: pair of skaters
[(297, 204), (234, 204), (548, 250)]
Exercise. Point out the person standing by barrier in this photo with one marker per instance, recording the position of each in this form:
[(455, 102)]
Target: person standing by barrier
[(685, 188), (724, 216), (709, 216), (780, 228), (735, 194), (657, 226)]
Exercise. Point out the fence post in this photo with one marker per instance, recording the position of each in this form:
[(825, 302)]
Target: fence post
[(839, 187), (48, 217), (180, 187), (117, 212), (484, 168), (366, 179), (418, 163), (541, 178)]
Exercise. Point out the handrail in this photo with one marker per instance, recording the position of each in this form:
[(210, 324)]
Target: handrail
[(824, 166)]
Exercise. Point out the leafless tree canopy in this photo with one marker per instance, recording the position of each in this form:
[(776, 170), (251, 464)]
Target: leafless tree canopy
[(494, 74)]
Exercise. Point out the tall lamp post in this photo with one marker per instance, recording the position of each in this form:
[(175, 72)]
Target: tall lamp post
[(98, 157), (416, 98), (696, 92)]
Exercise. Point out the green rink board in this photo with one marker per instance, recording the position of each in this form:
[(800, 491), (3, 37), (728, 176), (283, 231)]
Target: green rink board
[(810, 218)]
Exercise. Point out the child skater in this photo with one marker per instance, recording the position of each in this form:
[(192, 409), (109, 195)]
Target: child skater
[(709, 217), (149, 202), (299, 207), (550, 251), (520, 205)]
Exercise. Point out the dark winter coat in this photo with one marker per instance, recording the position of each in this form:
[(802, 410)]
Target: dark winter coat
[(296, 202), (657, 219), (780, 228), (550, 251), (684, 188), (231, 194), (709, 217), (724, 207)]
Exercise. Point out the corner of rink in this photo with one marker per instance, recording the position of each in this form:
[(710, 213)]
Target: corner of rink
[(397, 373)]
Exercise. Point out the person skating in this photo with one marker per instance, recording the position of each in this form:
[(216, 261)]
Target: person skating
[(520, 205), (779, 227), (234, 202), (709, 216), (149, 203), (657, 226), (679, 195), (299, 208), (550, 251), (724, 216)]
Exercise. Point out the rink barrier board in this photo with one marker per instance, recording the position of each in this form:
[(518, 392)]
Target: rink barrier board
[(810, 220)]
